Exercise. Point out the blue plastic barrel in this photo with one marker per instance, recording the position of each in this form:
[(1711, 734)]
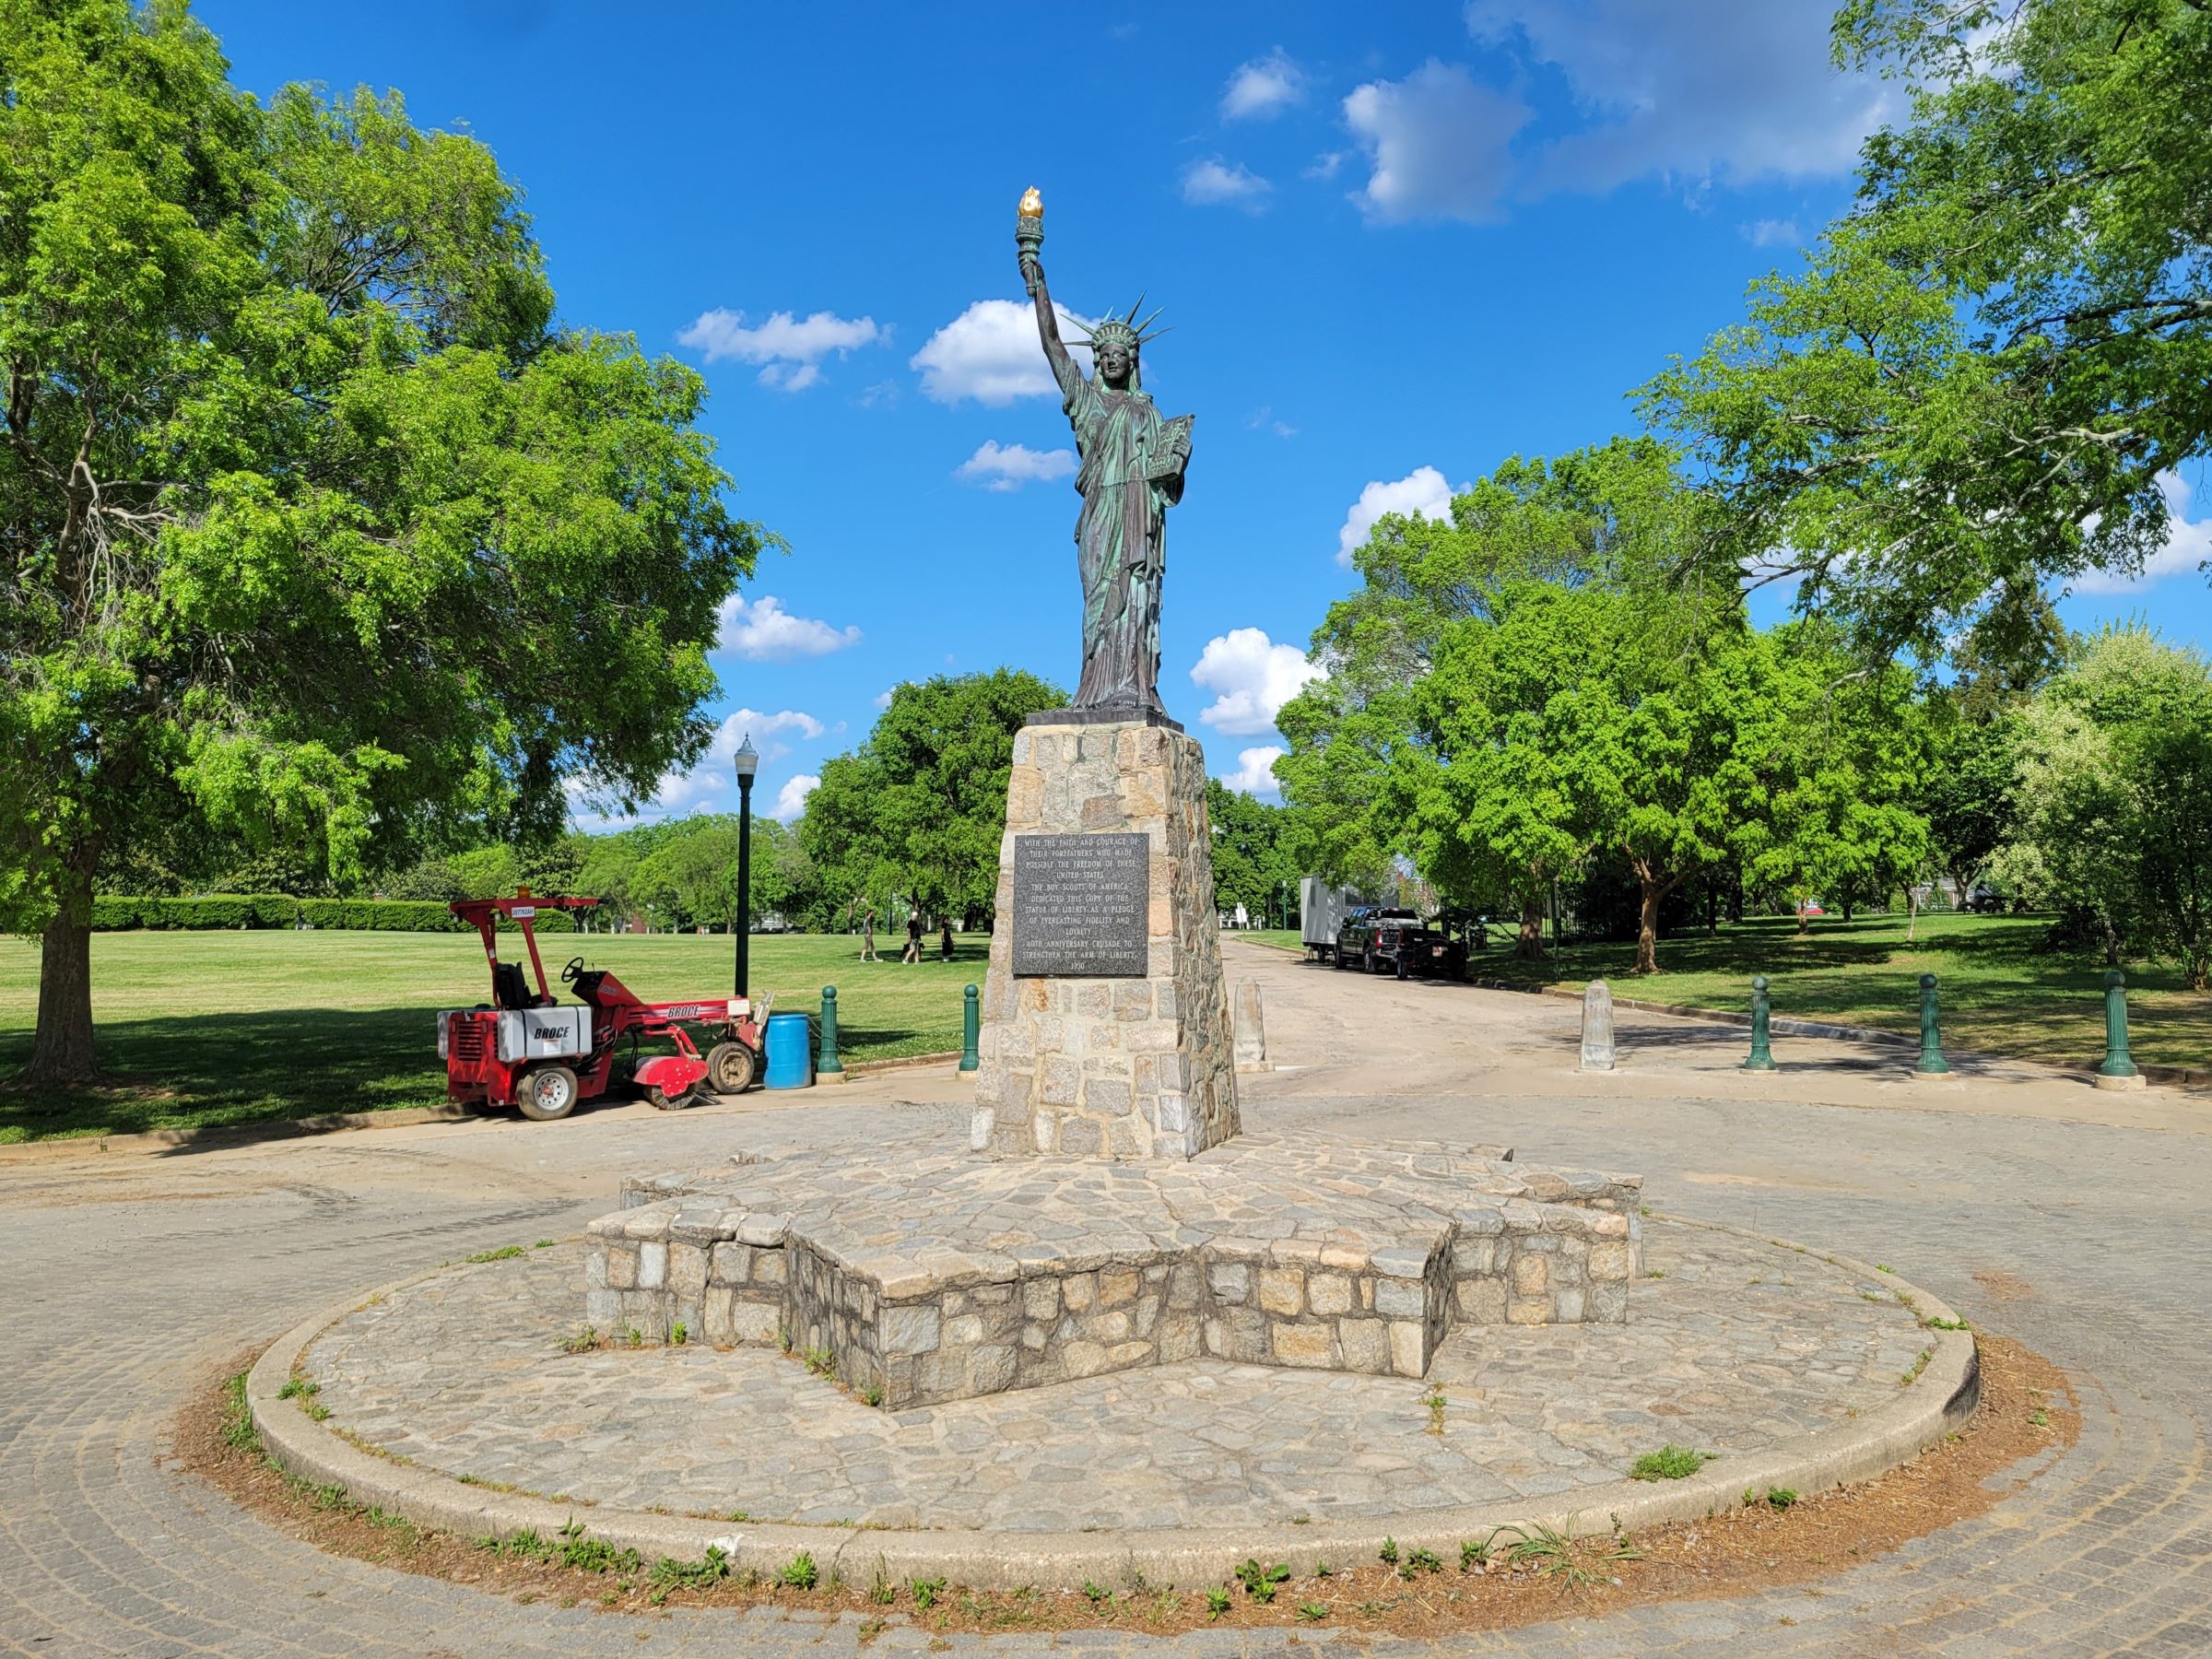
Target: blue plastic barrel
[(790, 1052)]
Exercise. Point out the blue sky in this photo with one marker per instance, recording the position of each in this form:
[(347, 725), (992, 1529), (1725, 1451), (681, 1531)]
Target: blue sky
[(1395, 244)]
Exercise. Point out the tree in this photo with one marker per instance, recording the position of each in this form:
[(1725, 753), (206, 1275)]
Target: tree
[(2115, 798), (315, 533), (918, 810), (1254, 860), (1991, 366), (1449, 729), (1839, 777)]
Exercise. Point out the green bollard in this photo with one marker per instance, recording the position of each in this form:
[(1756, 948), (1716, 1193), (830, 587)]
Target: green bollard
[(971, 1029), (1762, 1053), (2118, 1061), (826, 1063), (1931, 1063)]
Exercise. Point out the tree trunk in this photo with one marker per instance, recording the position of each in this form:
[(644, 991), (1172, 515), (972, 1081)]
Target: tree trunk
[(1529, 946), (1647, 925), (61, 1051)]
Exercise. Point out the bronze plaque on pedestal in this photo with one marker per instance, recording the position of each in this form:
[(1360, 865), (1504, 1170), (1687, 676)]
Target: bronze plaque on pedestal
[(1082, 906)]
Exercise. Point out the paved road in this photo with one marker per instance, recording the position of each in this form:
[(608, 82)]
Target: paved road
[(2073, 1220)]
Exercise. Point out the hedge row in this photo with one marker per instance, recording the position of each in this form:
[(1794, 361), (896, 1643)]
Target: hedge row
[(113, 913)]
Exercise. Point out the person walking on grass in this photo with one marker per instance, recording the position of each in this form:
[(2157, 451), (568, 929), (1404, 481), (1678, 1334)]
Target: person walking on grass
[(945, 939), (868, 939), (914, 936)]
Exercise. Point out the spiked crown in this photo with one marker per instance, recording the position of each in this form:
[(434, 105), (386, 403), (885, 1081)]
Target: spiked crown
[(1125, 331)]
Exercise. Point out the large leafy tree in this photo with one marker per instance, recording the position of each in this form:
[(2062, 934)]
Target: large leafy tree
[(2114, 802), (1989, 366), (314, 532), (1255, 852), (916, 813)]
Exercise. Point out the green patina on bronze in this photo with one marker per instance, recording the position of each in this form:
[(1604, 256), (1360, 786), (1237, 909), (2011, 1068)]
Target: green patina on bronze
[(971, 1027), (1131, 471)]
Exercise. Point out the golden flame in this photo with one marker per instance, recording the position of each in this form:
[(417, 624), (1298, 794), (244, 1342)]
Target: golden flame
[(1032, 204)]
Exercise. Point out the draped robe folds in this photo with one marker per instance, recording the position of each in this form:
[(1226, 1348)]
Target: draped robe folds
[(1131, 472)]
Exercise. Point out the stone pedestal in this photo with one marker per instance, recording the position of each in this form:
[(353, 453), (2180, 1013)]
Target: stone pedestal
[(1134, 1066)]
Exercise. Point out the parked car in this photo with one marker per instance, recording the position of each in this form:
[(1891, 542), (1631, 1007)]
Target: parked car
[(1375, 940)]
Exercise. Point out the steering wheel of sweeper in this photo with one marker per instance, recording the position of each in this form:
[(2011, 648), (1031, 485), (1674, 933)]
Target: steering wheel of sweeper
[(569, 975)]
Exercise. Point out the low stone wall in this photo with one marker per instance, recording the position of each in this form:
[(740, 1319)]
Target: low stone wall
[(922, 1330)]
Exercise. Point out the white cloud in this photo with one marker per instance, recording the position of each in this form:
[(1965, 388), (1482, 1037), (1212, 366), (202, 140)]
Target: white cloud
[(1435, 144), (1216, 183), (1421, 492), (1726, 89), (883, 698), (710, 784), (791, 800), (1263, 88), (789, 349), (1262, 420), (1326, 164), (989, 352), (2188, 545), (1011, 465), (1255, 772), (1251, 679), (763, 631), (1771, 233)]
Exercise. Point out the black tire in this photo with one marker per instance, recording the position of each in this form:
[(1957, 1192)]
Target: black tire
[(1367, 961), (665, 1102), (549, 1093), (731, 1068), (1400, 962)]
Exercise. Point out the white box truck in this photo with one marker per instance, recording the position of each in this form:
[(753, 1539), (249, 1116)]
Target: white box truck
[(1321, 910)]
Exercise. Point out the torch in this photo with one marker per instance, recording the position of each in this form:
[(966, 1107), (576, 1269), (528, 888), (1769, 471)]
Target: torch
[(1028, 234)]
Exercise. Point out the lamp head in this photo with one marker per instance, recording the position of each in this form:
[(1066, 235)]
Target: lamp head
[(747, 760)]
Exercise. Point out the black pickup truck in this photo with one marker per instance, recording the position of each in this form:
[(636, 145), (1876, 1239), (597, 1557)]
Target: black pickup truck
[(1379, 940)]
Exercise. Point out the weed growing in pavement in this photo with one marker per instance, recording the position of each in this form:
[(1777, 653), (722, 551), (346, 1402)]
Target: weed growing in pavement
[(1094, 1593), (1217, 1601), (1751, 1496), (637, 1337), (239, 1432), (594, 1555), (1322, 1570), (1388, 1554), (1260, 1581), (1669, 1463), (1473, 1555), (1946, 1325), (1434, 1400), (1781, 1497), (584, 1342), (822, 1363), (881, 1591), (1919, 1365), (784, 1336), (800, 1572), (1166, 1605), (1654, 1273), (506, 1252), (2040, 1418), (1884, 1267), (873, 1394), (1312, 1612), (542, 1244), (299, 1388), (668, 1574), (926, 1592), (1420, 1560)]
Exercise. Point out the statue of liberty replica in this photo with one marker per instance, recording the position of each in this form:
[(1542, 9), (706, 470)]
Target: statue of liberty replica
[(1131, 472), (1105, 1029)]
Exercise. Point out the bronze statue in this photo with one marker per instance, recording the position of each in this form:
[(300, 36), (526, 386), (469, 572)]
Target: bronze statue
[(1131, 472)]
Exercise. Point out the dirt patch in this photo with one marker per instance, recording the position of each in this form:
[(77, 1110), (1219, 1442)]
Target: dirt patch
[(1772, 1540), (2004, 1286)]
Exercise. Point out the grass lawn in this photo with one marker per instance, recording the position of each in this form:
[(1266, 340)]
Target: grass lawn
[(233, 1027), (1999, 994)]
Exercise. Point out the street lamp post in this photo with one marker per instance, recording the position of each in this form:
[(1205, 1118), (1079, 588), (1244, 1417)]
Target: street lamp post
[(747, 761)]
